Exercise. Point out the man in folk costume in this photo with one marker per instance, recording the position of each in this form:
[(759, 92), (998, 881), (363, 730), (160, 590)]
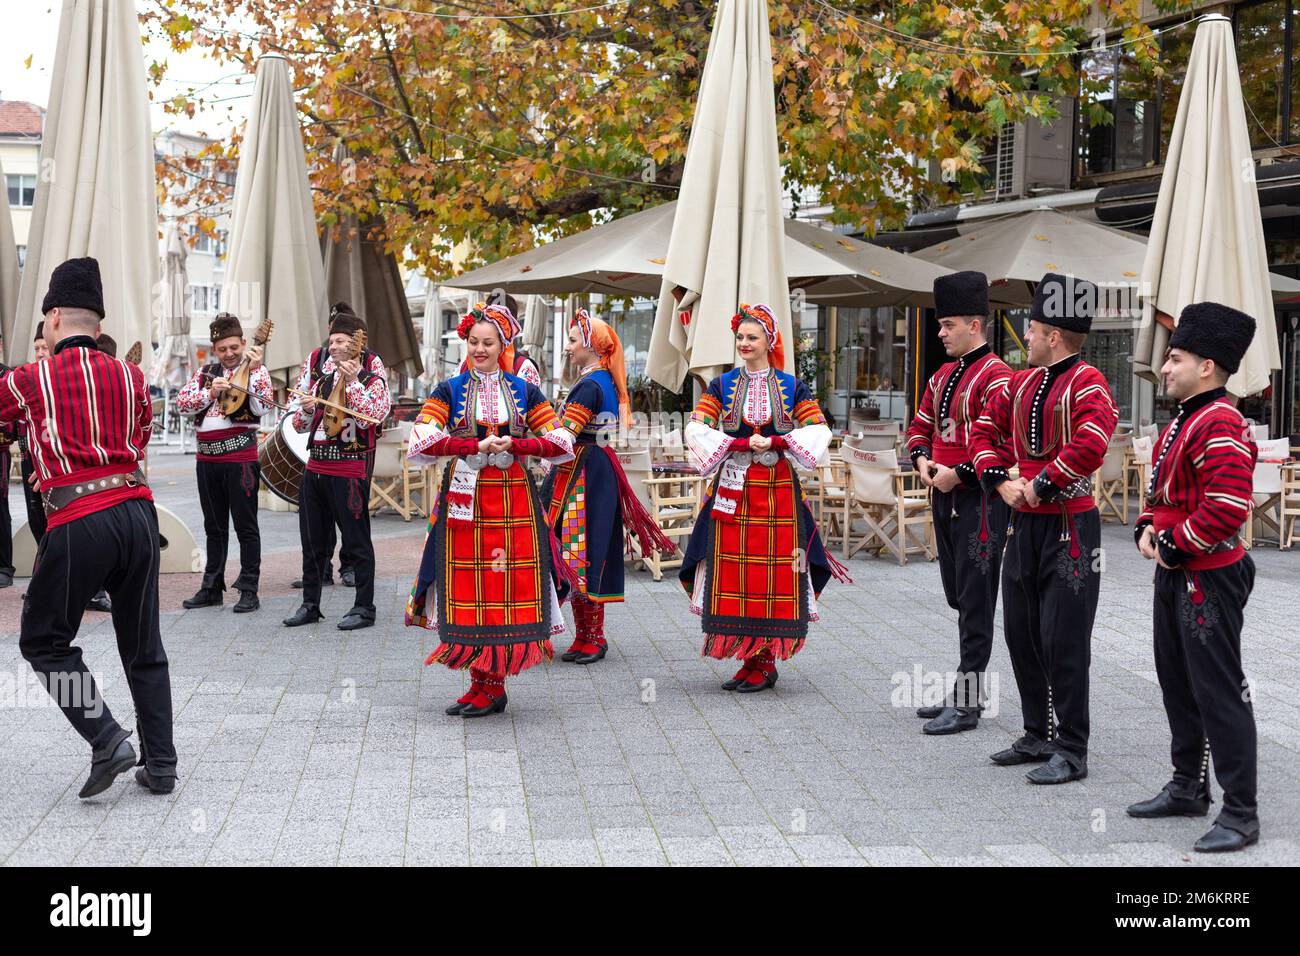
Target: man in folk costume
[(227, 468), (520, 364), (590, 500), (491, 578), (336, 486), (8, 435), (88, 419), (32, 497), (1055, 421), (755, 563), (969, 522), (1198, 499)]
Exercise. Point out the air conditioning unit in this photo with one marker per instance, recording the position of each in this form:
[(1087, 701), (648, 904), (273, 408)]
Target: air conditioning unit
[(1041, 154)]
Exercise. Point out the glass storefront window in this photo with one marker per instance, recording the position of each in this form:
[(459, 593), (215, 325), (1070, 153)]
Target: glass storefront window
[(870, 363), (1128, 141), (1261, 57), (634, 326), (1110, 352)]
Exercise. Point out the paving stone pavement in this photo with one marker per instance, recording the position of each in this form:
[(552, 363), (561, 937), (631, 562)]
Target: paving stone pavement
[(314, 746)]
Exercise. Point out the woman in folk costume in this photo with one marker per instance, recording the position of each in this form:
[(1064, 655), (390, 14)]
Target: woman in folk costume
[(590, 499), (755, 564), (520, 365), (489, 576)]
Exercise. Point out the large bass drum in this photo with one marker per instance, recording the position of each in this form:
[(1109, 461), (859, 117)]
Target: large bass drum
[(283, 457)]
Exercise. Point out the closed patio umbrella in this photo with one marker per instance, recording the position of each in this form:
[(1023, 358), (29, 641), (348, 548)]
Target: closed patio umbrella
[(1207, 236)]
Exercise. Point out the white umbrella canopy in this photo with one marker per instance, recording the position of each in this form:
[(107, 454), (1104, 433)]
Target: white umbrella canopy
[(430, 341), (627, 256), (1016, 251), (96, 195), (174, 362), (727, 243), (1207, 236), (10, 274), (275, 269)]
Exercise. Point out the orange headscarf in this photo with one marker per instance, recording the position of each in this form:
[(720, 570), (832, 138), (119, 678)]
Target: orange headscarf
[(600, 337), (503, 320), (764, 317)]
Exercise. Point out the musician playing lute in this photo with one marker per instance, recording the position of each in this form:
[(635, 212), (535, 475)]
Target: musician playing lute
[(336, 486), (227, 468)]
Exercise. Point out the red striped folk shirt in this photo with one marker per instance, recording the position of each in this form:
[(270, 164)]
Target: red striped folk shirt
[(1201, 484), (87, 415), (950, 405), (1056, 422)]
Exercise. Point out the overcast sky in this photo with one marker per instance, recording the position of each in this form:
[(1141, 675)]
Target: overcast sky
[(39, 33)]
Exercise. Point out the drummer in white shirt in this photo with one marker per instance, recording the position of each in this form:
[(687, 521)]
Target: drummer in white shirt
[(227, 467)]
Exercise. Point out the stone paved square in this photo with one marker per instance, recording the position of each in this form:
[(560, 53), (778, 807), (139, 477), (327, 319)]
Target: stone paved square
[(313, 746)]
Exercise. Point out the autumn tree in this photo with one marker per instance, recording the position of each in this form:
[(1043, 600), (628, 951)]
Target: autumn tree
[(506, 121)]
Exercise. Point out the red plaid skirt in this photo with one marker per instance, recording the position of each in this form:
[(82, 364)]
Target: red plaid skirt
[(756, 591), (493, 579)]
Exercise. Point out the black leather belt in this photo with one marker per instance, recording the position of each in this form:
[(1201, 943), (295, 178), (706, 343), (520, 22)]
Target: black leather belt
[(327, 452), (227, 446), (58, 498)]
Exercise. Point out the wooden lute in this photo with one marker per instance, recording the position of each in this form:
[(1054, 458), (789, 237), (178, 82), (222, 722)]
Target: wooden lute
[(237, 396), (335, 410)]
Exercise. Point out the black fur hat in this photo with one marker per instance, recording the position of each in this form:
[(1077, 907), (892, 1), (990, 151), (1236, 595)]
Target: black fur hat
[(343, 320), (1214, 331), (75, 284), (962, 293), (40, 330), (225, 326), (1066, 302), (107, 344)]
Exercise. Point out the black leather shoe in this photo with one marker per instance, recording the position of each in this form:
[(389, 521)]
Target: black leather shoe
[(349, 578), (1223, 839), (102, 772), (1025, 750), (247, 602), (570, 655), (929, 713), (495, 707), (306, 614), (1165, 804), (1057, 770), (299, 584), (455, 708), (6, 579), (100, 602), (592, 658), (764, 684), (202, 598), (355, 620), (154, 784), (952, 720)]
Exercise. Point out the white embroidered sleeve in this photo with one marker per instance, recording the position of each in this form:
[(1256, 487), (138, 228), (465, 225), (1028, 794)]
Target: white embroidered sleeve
[(809, 446), (423, 435), (705, 447)]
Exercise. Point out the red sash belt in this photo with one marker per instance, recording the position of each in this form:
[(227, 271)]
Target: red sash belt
[(1030, 468), (1220, 556)]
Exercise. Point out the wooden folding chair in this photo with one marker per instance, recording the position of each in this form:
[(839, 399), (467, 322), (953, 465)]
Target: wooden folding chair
[(1266, 489), (1110, 481), (897, 516), (674, 506), (1290, 513)]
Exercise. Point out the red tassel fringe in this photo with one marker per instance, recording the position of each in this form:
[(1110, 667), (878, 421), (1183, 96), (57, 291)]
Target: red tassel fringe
[(507, 659), (723, 646), (838, 570), (635, 518)]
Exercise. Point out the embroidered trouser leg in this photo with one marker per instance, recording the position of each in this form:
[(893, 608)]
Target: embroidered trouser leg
[(1198, 661), (1049, 599), (228, 492), (969, 529), (326, 500)]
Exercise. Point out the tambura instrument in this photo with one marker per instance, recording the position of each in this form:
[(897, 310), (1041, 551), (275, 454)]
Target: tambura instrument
[(283, 457)]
